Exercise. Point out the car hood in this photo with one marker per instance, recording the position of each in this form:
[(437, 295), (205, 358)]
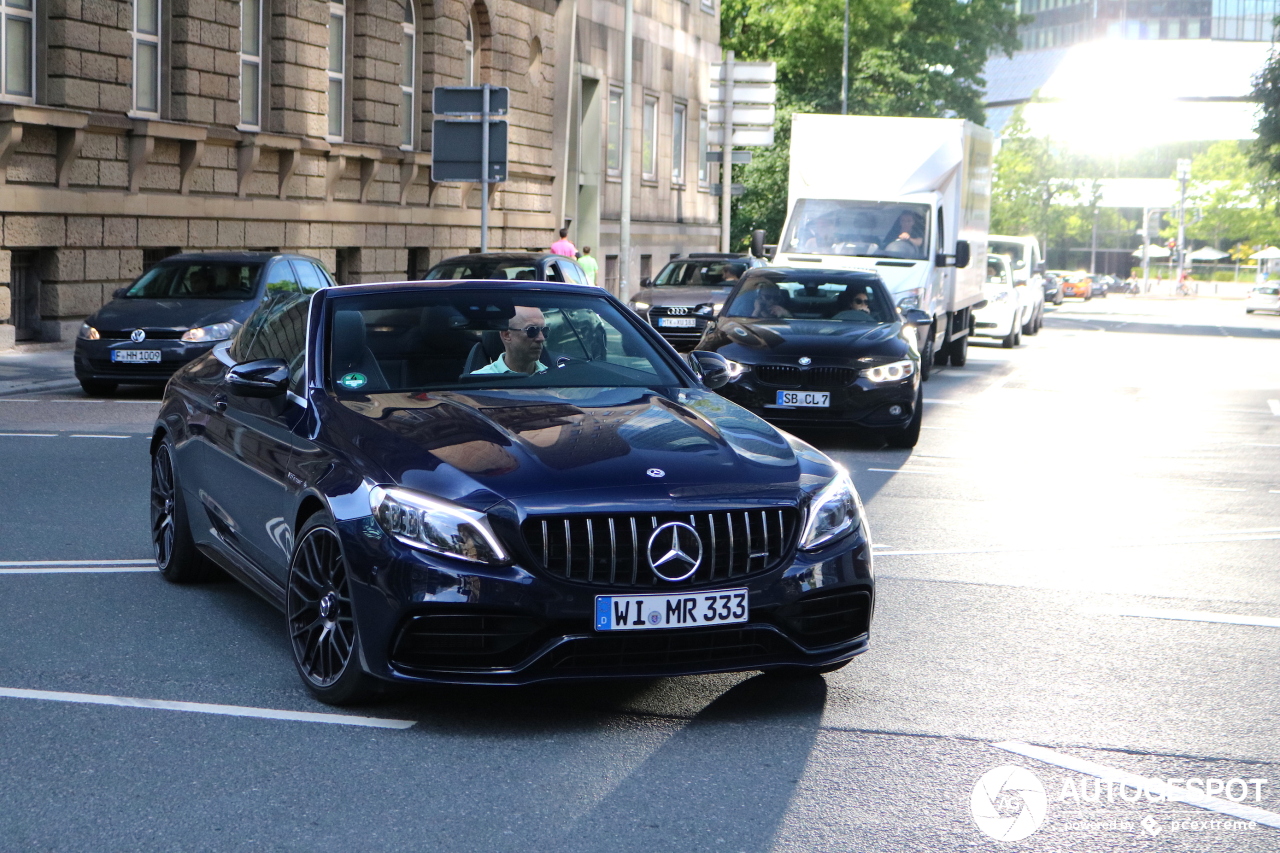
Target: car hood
[(175, 314), (755, 341), (682, 296), (578, 449)]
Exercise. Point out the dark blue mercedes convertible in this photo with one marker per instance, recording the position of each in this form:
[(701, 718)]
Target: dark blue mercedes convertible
[(503, 483)]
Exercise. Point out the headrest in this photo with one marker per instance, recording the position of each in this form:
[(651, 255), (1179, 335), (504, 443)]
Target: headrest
[(348, 337)]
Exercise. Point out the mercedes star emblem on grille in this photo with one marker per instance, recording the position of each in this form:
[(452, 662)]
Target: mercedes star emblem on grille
[(805, 361), (656, 472), (137, 336), (667, 551)]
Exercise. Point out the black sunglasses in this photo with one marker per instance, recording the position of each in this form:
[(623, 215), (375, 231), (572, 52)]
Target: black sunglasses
[(531, 331)]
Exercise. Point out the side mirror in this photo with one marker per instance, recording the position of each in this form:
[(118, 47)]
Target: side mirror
[(770, 251), (1040, 268), (962, 254), (646, 282), (266, 377), (916, 317), (118, 292), (757, 243), (713, 368)]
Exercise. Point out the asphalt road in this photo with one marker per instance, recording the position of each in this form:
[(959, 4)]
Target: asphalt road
[(1077, 574)]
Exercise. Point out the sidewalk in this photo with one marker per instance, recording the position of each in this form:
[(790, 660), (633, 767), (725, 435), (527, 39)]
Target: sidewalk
[(37, 367)]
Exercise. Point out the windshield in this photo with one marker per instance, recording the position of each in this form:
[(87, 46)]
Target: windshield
[(469, 339), (197, 280), (700, 274), (520, 270), (868, 228), (1013, 250), (996, 272), (813, 299)]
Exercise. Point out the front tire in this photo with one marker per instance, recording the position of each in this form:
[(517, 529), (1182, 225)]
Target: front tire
[(927, 357), (909, 436), (321, 620), (1010, 340), (177, 557), (959, 351)]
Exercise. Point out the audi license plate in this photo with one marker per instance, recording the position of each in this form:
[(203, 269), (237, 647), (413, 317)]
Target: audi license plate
[(647, 612), (805, 398), (678, 322), (135, 356)]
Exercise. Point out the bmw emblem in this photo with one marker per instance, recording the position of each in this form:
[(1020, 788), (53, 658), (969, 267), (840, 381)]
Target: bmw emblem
[(675, 551), (805, 361), (656, 472), (137, 336)]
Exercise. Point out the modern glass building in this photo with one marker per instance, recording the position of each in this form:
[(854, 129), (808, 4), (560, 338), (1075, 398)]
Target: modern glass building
[(1059, 23)]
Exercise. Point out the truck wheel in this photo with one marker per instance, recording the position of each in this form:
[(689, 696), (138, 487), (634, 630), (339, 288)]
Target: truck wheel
[(959, 351), (927, 358)]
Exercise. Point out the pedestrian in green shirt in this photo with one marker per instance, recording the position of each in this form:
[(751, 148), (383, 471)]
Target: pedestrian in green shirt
[(588, 264)]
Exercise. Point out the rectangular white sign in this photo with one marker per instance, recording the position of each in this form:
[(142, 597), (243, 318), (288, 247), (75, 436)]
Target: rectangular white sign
[(754, 115), (747, 93), (744, 136), (747, 72)]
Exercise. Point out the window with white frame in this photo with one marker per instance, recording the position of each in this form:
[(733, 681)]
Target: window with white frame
[(649, 139), (251, 64), (337, 69), (704, 174), (146, 57), (677, 143), (408, 86), (471, 50), (17, 50), (613, 134)]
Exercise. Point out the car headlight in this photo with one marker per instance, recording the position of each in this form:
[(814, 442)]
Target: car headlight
[(215, 332), (640, 306), (832, 513), (893, 372), (433, 525), (88, 333), (912, 299), (736, 369)]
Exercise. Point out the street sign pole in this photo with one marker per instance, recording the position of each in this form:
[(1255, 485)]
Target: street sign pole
[(484, 169), (726, 164)]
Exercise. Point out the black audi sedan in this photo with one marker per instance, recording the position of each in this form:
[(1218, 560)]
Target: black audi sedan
[(177, 310), (424, 512), (688, 292), (819, 348)]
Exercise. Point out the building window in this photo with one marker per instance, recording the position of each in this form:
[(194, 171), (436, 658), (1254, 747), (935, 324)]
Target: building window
[(470, 50), (408, 87), (613, 137), (704, 176), (611, 273), (649, 139), (709, 6), (677, 143), (251, 64), (146, 57), (337, 69), (419, 263), (17, 50)]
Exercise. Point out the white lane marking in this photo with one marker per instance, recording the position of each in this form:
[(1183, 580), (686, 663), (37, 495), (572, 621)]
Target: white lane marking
[(915, 470), (79, 570), (1275, 407), (25, 563), (91, 435), (1204, 540), (1156, 787), (203, 708), (1253, 444), (1273, 491), (943, 402), (1214, 489), (1199, 616), (30, 434)]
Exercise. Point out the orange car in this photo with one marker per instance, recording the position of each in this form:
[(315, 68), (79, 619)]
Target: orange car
[(1078, 284)]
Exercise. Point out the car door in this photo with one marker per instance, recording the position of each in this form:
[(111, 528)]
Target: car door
[(251, 441)]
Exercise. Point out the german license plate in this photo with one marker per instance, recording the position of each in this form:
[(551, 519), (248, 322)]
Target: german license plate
[(690, 610), (135, 356), (678, 322), (821, 399)]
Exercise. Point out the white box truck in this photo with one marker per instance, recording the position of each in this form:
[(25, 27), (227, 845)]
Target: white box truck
[(909, 198)]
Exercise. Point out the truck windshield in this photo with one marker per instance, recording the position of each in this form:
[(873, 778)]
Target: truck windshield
[(1007, 247), (869, 228)]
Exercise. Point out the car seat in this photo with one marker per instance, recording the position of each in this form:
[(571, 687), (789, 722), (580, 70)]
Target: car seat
[(350, 353)]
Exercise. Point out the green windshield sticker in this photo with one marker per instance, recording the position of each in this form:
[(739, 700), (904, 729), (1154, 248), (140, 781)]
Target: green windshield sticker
[(353, 380)]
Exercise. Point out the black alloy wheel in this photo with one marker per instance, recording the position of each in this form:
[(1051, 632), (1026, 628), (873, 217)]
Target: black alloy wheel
[(322, 629), (177, 557)]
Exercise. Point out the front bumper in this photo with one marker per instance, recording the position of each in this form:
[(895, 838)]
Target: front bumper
[(93, 360), (423, 618), (996, 320), (861, 403)]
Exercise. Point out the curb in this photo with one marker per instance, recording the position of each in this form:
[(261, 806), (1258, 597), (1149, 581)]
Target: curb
[(35, 387)]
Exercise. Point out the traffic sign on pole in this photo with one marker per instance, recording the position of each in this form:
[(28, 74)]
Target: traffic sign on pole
[(455, 151), (468, 100)]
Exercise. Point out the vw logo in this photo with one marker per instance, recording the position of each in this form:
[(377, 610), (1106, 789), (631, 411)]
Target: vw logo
[(678, 312), (137, 336), (656, 472), (805, 361), (675, 551)]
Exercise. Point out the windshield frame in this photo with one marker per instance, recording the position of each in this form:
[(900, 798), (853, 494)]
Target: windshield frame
[(857, 228)]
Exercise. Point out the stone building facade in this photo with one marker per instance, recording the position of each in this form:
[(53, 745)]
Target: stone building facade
[(141, 128)]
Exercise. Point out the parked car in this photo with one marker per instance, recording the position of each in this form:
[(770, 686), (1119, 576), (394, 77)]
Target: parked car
[(1101, 284), (688, 292), (1077, 285), (1001, 317), (1052, 287), (510, 266), (178, 310), (1264, 297), (418, 520), (813, 348)]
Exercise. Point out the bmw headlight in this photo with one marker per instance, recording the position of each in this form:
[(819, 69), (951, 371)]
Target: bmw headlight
[(892, 372), (832, 513), (88, 333), (434, 525), (215, 332)]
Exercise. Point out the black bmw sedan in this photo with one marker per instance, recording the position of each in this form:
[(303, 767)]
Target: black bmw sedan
[(178, 309), (818, 348), (462, 482)]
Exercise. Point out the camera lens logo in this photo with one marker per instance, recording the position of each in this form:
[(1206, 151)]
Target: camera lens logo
[(1008, 803)]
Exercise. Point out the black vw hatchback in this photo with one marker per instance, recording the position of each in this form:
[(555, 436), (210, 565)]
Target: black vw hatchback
[(578, 505), (812, 348)]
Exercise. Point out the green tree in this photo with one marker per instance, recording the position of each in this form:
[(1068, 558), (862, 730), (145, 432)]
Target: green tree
[(1228, 198), (1029, 193)]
